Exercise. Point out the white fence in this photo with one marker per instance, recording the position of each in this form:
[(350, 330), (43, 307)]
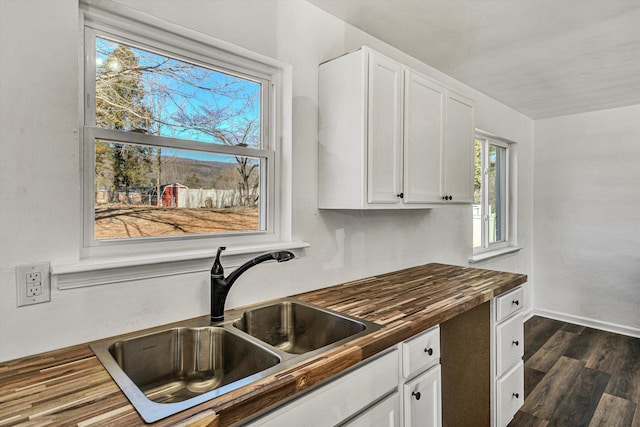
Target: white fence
[(477, 227), (201, 198)]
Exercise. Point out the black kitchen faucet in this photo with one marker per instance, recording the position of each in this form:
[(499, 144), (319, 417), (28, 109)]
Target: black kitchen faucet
[(220, 285)]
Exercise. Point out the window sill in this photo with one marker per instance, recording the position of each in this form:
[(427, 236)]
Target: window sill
[(102, 271), (484, 256)]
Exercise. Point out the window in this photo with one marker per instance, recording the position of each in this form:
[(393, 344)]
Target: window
[(179, 136), (492, 206)]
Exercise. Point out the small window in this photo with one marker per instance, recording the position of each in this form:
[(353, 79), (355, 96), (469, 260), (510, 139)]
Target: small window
[(177, 144), (492, 201)]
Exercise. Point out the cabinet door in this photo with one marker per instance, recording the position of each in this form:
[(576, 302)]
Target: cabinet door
[(423, 131), (384, 148), (458, 151), (423, 401)]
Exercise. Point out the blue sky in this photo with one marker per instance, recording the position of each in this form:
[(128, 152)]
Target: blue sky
[(185, 87)]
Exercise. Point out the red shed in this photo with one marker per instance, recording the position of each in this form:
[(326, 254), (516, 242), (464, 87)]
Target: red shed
[(170, 194)]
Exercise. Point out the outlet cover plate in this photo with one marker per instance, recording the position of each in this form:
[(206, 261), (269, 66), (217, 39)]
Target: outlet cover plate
[(33, 283)]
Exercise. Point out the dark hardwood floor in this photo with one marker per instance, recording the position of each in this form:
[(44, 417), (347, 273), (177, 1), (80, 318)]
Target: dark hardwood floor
[(578, 376)]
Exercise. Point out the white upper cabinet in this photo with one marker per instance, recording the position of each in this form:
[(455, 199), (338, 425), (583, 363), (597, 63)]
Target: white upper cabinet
[(423, 138), (384, 147), (387, 139), (458, 151)]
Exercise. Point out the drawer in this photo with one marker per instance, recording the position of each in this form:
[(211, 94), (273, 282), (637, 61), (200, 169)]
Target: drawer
[(510, 389), (509, 343), (421, 352), (509, 303)]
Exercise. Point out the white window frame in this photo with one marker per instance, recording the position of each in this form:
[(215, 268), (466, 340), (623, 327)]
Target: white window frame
[(509, 244), (101, 262), (99, 19)]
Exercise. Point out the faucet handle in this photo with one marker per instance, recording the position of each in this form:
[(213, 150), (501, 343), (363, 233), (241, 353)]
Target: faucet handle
[(217, 270), (281, 256)]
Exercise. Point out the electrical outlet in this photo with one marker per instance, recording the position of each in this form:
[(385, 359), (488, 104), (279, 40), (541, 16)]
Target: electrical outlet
[(33, 282), (34, 289), (33, 277)]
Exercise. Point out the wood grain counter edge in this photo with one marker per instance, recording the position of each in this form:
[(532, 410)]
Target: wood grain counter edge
[(70, 387)]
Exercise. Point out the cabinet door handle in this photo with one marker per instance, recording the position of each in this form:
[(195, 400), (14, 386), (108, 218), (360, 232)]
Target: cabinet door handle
[(516, 302), (516, 395), (516, 342), (429, 351), (401, 195), (450, 197), (416, 395)]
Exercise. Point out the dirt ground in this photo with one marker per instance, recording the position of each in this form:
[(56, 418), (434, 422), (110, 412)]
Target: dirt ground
[(121, 221)]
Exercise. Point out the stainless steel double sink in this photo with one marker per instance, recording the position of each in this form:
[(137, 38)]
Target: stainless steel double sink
[(170, 370)]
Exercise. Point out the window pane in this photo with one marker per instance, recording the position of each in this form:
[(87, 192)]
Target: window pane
[(137, 90), (144, 191), (497, 194), (477, 196)]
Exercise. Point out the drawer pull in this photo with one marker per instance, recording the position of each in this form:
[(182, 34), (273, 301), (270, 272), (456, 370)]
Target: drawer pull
[(429, 351), (516, 395), (516, 302), (516, 343), (416, 394)]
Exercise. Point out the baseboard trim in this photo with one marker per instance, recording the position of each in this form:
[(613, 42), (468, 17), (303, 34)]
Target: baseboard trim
[(528, 314), (591, 323)]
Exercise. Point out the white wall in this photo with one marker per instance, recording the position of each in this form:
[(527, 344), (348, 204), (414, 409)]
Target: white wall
[(38, 125), (587, 218)]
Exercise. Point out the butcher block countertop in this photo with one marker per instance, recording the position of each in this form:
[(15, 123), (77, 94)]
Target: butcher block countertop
[(71, 387)]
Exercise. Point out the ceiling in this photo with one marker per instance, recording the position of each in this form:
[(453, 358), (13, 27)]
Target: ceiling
[(544, 58)]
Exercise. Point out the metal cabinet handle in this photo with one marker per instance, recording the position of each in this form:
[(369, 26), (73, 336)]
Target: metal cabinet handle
[(516, 395), (516, 302), (516, 342), (416, 395), (429, 351)]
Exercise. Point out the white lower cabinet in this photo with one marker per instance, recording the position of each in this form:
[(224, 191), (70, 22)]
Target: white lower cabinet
[(420, 352), (509, 343), (507, 367), (401, 386), (510, 391), (337, 401), (422, 400), (445, 373), (386, 413), (421, 380)]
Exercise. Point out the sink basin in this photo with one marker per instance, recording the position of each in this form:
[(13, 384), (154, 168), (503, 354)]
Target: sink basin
[(181, 367), (172, 369), (179, 363), (297, 328)]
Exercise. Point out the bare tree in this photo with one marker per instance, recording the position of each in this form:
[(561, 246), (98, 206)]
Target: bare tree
[(138, 90), (119, 105)]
